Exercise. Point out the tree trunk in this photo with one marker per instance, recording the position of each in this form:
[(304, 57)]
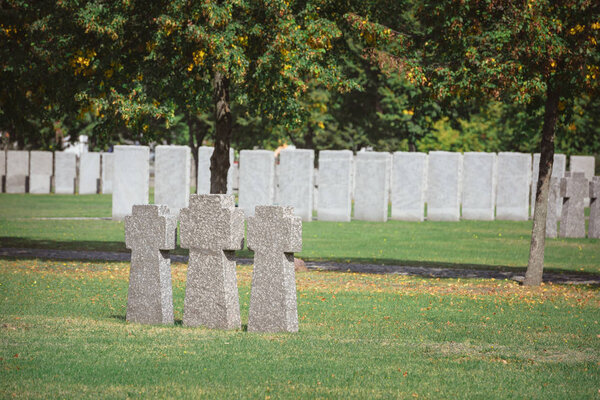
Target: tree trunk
[(535, 267), (219, 162)]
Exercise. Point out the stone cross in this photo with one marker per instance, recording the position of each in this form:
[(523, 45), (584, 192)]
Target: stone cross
[(574, 188), (274, 234), (150, 232), (552, 216), (594, 226), (212, 228)]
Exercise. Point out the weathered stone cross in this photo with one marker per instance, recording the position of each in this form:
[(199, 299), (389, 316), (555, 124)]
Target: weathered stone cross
[(574, 188), (212, 228), (594, 226), (274, 234), (150, 232)]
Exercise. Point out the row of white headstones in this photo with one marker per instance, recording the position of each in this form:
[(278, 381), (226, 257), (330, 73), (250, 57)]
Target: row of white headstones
[(212, 228)]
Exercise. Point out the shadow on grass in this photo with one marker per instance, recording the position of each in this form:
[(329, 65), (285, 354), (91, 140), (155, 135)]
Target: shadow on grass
[(119, 247), (123, 318)]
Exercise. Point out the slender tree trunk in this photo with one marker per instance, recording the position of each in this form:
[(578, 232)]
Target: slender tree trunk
[(535, 267), (219, 162)]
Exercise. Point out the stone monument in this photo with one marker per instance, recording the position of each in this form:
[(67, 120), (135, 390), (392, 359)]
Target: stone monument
[(594, 226), (409, 174), (131, 179), (172, 177), (296, 173), (108, 167), (371, 192), (17, 170), (334, 202), (514, 182), (89, 173), (150, 232), (257, 177), (443, 186), (574, 187), (585, 164), (65, 172), (40, 171), (203, 171), (479, 181), (2, 169), (553, 213), (559, 167), (212, 228), (274, 234)]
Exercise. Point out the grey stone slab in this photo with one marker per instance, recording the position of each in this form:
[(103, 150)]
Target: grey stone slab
[(594, 225), (235, 177), (478, 183), (585, 164), (274, 234), (212, 228), (296, 173), (443, 186), (334, 201), (231, 172), (573, 189), (171, 177), (553, 200), (559, 167), (65, 172), (17, 170), (89, 173), (257, 177), (514, 182), (131, 183), (150, 232), (409, 174), (371, 193), (108, 168), (40, 171)]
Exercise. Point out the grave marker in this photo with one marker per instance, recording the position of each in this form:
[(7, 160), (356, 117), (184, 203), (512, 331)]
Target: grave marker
[(274, 234), (296, 173), (479, 179), (514, 181), (40, 171), (89, 173), (172, 177), (203, 172), (443, 186), (2, 170), (559, 167), (257, 177), (17, 170), (553, 214), (371, 192), (65, 172), (408, 186), (574, 187), (150, 232), (108, 167), (212, 228), (585, 164), (334, 202), (131, 179)]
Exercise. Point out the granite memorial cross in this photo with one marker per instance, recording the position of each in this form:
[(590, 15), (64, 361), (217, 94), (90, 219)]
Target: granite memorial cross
[(212, 228), (594, 226), (150, 232), (574, 188), (274, 234)]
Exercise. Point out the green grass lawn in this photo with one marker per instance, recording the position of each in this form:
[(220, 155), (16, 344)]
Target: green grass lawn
[(63, 335), (472, 244)]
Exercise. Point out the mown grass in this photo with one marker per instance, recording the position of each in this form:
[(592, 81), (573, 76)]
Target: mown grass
[(471, 244), (63, 334)]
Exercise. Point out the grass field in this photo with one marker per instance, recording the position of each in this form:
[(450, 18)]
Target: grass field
[(63, 335), (472, 244)]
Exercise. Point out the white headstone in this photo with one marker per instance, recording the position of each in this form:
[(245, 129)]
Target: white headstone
[(17, 170), (40, 171), (443, 186), (479, 174), (2, 169), (231, 172), (171, 177), (371, 194), (409, 174), (585, 164), (335, 185), (131, 179), (108, 167), (514, 181), (559, 167), (296, 173), (257, 170), (203, 173), (65, 172), (89, 173)]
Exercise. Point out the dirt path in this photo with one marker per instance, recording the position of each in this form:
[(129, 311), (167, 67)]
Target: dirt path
[(424, 271)]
